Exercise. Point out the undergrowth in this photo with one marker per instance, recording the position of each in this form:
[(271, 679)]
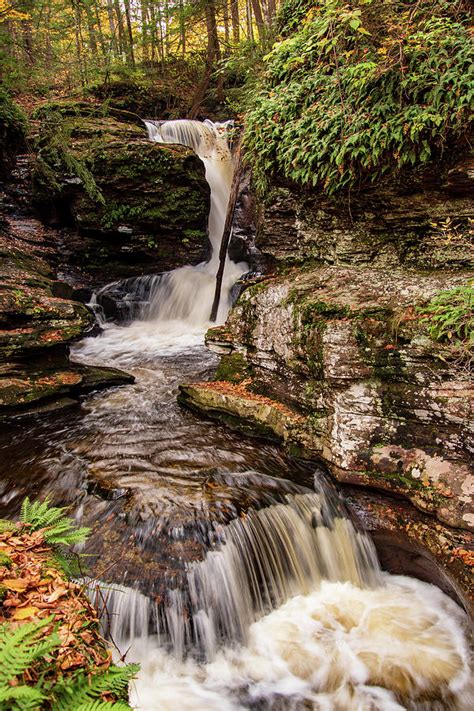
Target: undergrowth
[(449, 316), (449, 319), (357, 90), (35, 670)]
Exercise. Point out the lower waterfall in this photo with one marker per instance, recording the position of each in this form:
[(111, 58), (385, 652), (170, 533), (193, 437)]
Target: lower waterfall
[(291, 610)]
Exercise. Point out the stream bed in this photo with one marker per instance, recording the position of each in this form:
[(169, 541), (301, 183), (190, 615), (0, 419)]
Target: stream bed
[(233, 575)]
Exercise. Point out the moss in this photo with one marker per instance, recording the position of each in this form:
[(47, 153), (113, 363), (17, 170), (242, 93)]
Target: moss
[(5, 560), (233, 368)]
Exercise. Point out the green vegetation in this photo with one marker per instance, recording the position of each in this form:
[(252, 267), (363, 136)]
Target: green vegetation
[(12, 128), (233, 368), (28, 650), (54, 157), (360, 90), (57, 528), (449, 316), (59, 662)]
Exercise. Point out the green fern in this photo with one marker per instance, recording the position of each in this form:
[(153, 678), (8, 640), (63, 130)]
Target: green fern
[(99, 705), (58, 530), (24, 697), (21, 647), (84, 690)]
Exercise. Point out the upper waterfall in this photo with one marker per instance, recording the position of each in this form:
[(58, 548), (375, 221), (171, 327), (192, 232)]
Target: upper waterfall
[(210, 143)]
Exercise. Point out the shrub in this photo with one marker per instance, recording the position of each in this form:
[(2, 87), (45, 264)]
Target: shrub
[(449, 316), (362, 89)]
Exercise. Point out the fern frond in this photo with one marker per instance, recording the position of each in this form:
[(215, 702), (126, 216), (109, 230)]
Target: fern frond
[(21, 647), (21, 697), (58, 529), (100, 705), (87, 689)]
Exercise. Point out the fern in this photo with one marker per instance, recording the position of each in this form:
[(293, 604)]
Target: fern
[(26, 697), (84, 690), (58, 530), (21, 647), (99, 705)]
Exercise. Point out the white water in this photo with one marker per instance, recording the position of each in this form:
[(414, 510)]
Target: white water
[(291, 611), (172, 310), (337, 648)]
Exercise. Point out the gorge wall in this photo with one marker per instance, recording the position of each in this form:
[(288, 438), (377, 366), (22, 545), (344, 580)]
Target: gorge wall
[(91, 201), (329, 353)]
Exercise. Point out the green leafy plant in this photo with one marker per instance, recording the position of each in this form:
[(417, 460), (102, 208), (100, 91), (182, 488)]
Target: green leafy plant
[(57, 528), (31, 675), (360, 90), (54, 157), (449, 316), (30, 646)]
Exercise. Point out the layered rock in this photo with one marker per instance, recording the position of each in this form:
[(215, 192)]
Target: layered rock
[(138, 206), (338, 336), (37, 326)]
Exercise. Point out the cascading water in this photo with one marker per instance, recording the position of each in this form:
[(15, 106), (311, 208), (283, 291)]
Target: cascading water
[(282, 605), (292, 611), (174, 308)]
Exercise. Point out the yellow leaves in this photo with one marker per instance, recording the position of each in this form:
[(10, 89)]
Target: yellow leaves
[(8, 12), (22, 613), (15, 584)]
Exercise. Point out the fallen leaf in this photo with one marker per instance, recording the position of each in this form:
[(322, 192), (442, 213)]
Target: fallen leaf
[(16, 584), (22, 613)]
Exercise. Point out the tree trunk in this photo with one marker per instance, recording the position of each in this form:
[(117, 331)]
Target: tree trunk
[(112, 28), (257, 11), (90, 27), (182, 27), (225, 10), (213, 55), (130, 33), (226, 235), (249, 21), (121, 32), (234, 13), (145, 31)]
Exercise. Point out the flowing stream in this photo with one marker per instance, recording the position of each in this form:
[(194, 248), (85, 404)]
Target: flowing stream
[(233, 575)]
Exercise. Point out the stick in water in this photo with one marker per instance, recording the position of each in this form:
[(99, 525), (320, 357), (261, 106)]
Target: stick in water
[(227, 230)]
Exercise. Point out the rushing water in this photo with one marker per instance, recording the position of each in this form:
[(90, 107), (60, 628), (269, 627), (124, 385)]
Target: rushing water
[(232, 575)]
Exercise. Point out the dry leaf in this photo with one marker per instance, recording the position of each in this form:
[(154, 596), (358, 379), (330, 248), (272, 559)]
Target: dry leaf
[(16, 584), (22, 613)]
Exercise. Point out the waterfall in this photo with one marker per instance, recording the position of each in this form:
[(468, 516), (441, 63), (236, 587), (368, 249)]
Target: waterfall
[(209, 141), (167, 312), (186, 294), (261, 560), (290, 610)]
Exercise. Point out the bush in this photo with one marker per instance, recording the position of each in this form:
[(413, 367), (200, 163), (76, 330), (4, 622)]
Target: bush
[(360, 90)]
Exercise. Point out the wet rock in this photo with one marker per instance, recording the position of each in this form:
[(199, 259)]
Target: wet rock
[(139, 206), (37, 326), (343, 349), (411, 543)]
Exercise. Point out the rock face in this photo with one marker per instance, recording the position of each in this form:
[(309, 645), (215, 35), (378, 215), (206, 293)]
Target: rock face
[(338, 337), (138, 206), (37, 326), (420, 222)]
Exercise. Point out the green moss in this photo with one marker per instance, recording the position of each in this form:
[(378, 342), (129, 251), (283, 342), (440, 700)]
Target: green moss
[(233, 368), (5, 560)]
